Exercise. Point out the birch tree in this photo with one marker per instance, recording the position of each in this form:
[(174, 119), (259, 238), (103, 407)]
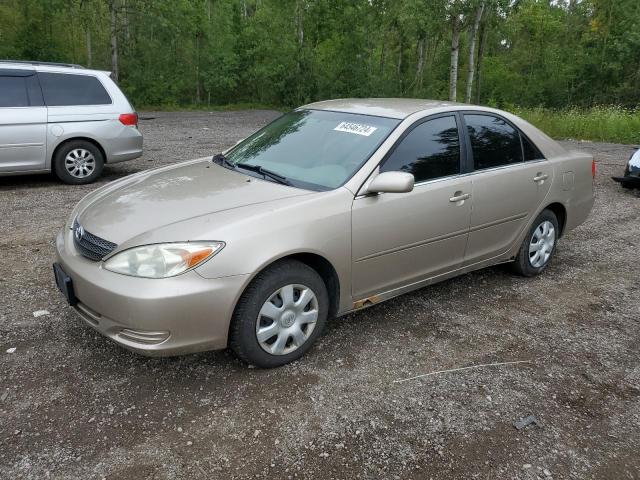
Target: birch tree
[(472, 50)]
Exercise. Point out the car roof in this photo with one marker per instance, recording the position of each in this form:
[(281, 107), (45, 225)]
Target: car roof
[(399, 108), (47, 67)]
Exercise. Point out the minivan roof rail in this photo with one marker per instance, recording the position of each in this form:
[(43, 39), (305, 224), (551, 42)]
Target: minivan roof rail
[(51, 64)]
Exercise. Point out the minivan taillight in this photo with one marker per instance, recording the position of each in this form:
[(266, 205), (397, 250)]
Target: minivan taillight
[(129, 119)]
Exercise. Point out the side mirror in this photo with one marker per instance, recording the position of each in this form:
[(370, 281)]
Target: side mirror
[(391, 182)]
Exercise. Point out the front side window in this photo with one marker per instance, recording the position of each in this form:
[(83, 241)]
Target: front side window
[(60, 89), (494, 143), (314, 149), (431, 150), (13, 92)]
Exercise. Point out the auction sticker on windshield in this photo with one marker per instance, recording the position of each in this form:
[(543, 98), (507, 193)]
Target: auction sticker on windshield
[(356, 128)]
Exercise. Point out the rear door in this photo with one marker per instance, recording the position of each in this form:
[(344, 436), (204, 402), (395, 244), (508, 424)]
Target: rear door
[(23, 122), (507, 189), (403, 238)]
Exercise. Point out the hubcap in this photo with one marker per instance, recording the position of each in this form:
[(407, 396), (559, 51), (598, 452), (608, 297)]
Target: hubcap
[(287, 319), (80, 163), (541, 244)]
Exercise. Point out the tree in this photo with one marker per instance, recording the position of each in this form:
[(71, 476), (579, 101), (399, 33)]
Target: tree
[(472, 48)]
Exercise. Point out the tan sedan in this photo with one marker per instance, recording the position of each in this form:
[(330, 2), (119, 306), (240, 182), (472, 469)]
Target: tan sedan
[(333, 207)]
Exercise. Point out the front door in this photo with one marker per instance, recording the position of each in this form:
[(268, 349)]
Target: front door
[(403, 238), (23, 122)]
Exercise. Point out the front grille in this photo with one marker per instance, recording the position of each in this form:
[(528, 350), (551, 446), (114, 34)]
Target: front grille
[(90, 245)]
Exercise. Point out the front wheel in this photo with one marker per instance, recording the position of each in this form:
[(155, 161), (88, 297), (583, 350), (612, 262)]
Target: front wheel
[(280, 315), (538, 246)]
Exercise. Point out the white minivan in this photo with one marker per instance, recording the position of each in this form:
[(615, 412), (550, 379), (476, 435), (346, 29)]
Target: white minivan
[(65, 119)]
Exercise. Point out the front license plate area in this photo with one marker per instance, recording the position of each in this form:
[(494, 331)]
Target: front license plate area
[(65, 284)]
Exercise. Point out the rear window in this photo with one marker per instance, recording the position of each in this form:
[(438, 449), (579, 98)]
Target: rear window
[(494, 142), (61, 89), (13, 92)]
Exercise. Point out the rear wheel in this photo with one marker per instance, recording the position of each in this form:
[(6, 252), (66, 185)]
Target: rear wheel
[(78, 162), (538, 246), (280, 315)]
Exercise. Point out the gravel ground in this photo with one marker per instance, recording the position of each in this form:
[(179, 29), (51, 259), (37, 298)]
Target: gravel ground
[(75, 405)]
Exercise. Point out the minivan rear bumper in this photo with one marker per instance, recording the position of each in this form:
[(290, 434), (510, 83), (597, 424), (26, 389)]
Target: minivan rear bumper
[(127, 145)]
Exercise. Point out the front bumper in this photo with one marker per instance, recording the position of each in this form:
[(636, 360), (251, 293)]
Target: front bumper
[(154, 317)]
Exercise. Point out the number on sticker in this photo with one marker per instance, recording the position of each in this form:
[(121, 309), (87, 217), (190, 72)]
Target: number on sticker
[(356, 128)]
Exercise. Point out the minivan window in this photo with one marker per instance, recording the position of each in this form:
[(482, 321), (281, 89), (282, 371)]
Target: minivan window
[(13, 92), (314, 149), (61, 89), (494, 142), (431, 150)]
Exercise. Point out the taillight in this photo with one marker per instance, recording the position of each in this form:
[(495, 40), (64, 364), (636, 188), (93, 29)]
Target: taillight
[(594, 169), (129, 119)]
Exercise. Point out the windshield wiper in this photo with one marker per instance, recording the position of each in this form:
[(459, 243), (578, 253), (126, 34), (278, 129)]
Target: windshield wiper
[(266, 173), (220, 159)]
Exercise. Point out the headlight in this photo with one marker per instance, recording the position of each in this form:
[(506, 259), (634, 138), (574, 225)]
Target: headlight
[(162, 260)]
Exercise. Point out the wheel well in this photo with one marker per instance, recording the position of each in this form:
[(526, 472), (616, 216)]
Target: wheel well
[(73, 139), (326, 272), (561, 214)]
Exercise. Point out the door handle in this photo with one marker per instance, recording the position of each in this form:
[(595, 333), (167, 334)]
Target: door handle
[(459, 197), (540, 177)]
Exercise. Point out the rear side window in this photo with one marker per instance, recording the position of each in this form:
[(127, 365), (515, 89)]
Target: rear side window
[(61, 89), (431, 150), (531, 152), (13, 92), (494, 142)]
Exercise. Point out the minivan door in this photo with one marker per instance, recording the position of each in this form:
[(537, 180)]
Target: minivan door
[(23, 122), (400, 239), (510, 181)]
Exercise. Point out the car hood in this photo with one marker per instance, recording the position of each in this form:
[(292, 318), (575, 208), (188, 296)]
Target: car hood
[(152, 200)]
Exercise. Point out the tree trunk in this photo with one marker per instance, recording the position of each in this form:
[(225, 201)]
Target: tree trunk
[(114, 40), (89, 48), (472, 51), (481, 47), (455, 51), (125, 25), (300, 22), (399, 64), (420, 66), (198, 95)]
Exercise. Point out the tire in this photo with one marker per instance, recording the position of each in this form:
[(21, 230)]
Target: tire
[(530, 262), (88, 168), (627, 185), (268, 296)]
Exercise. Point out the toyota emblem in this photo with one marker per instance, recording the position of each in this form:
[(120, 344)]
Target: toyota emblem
[(79, 233)]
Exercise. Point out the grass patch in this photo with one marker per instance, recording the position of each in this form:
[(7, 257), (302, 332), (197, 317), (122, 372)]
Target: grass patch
[(231, 107), (599, 124)]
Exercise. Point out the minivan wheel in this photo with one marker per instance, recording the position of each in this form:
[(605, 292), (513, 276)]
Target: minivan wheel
[(280, 315), (538, 246), (78, 162)]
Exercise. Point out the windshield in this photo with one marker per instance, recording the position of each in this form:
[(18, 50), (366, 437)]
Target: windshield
[(314, 149)]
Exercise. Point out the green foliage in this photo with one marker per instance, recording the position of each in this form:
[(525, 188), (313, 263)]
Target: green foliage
[(553, 54), (604, 124)]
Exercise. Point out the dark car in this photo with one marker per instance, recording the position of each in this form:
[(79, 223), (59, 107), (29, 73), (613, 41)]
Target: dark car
[(631, 176)]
